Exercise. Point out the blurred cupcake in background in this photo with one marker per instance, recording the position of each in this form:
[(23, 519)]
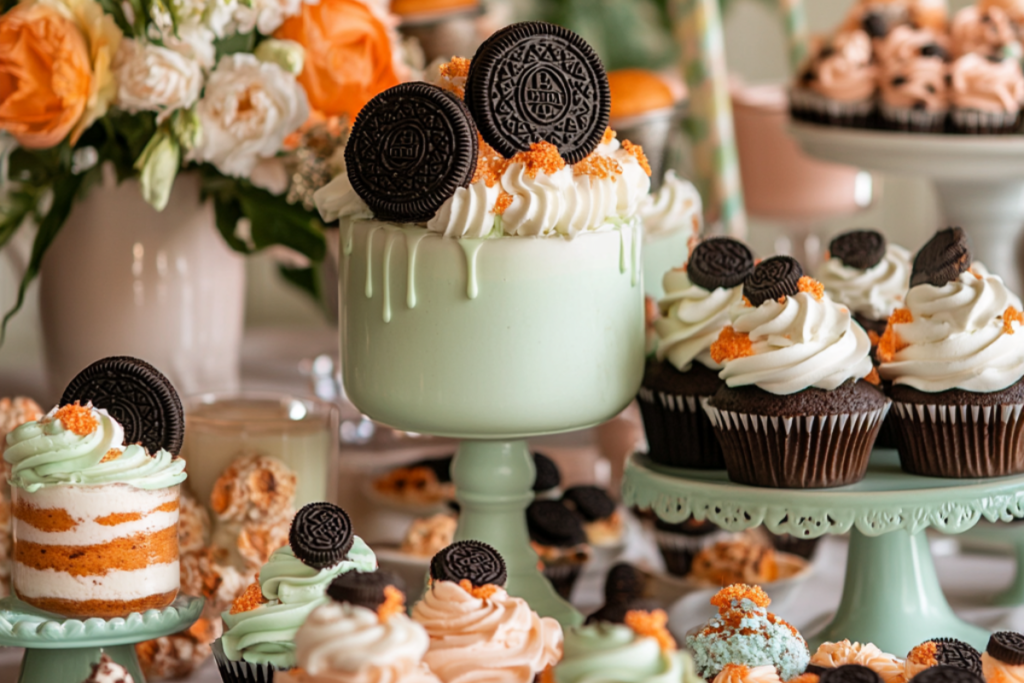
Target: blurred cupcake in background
[(986, 31), (680, 543), (558, 538), (838, 83), (549, 478), (913, 93), (986, 94), (602, 521)]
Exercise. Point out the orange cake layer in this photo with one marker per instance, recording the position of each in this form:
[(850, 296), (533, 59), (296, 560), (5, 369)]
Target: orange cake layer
[(104, 609), (56, 519), (127, 554)]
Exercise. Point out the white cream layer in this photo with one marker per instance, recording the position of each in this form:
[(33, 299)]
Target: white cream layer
[(116, 584), (88, 502), (89, 532)]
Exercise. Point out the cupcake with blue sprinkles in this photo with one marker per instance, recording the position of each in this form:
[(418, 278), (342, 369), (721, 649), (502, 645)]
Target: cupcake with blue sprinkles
[(744, 632)]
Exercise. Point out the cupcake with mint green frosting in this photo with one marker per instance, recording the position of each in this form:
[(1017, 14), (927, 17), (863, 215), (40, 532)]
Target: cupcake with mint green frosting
[(744, 632), (260, 627), (638, 651)]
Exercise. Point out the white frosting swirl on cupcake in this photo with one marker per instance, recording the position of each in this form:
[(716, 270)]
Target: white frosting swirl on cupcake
[(958, 338), (675, 206), (691, 319), (873, 293), (800, 343)]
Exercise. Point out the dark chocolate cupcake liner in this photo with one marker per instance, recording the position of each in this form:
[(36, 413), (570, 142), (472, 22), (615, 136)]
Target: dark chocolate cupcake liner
[(960, 441), (679, 433), (912, 120), (803, 452), (977, 122), (240, 671), (808, 105), (678, 550), (563, 577)]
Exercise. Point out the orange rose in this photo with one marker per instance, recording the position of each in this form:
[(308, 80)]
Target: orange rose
[(45, 75), (348, 55)]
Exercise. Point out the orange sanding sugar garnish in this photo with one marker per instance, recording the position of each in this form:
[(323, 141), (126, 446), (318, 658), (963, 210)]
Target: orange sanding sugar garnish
[(740, 591), (873, 337), (651, 624), (1011, 315), (731, 345), (598, 166), (924, 654), (483, 592), (638, 152), (394, 603), (811, 286), (746, 303), (504, 201), (112, 454), (543, 156), (457, 68), (890, 344), (974, 273), (608, 136), (77, 419), (872, 377), (249, 600), (490, 165)]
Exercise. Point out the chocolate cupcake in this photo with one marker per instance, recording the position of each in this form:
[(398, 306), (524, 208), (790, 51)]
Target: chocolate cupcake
[(548, 480), (837, 85), (602, 522), (985, 94), (796, 410), (955, 357), (682, 374), (557, 536), (913, 92), (680, 543)]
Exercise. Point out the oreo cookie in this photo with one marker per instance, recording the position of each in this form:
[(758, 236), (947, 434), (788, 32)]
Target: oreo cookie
[(535, 81), (773, 278), (953, 652), (1007, 647), (860, 249), (321, 535), (947, 674), (365, 589), (548, 476), (551, 523), (412, 146), (591, 502), (615, 613), (624, 583), (135, 394), (946, 255), (719, 262), (474, 561), (850, 673)]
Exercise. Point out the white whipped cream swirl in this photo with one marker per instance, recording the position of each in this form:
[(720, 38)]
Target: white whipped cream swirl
[(957, 338), (692, 318), (798, 344), (675, 206), (349, 644), (873, 293)]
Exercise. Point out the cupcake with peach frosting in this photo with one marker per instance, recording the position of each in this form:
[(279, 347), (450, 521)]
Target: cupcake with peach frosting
[(738, 673), (985, 94), (912, 88), (987, 32), (838, 84), (835, 655), (1003, 659)]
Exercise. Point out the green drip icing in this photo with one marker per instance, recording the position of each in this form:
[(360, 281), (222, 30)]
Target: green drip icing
[(369, 261), (386, 274), (471, 248), (412, 245)]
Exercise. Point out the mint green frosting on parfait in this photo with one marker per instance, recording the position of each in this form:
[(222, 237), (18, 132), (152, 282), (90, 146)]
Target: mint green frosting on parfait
[(614, 653), (744, 634), (45, 453), (266, 635)]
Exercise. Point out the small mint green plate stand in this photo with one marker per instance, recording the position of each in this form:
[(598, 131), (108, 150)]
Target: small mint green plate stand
[(891, 596), (62, 650)]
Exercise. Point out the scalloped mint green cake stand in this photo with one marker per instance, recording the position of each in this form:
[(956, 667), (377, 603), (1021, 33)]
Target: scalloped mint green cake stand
[(891, 596), (62, 650)]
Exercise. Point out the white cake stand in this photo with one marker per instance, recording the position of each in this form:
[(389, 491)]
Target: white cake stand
[(978, 179)]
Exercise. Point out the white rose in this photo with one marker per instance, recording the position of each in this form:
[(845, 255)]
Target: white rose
[(247, 111), (265, 15), (153, 78), (220, 16), (194, 42)]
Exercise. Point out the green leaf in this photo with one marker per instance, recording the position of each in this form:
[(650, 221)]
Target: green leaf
[(274, 221), (112, 8), (228, 213), (15, 207), (306, 279), (64, 191), (239, 42)]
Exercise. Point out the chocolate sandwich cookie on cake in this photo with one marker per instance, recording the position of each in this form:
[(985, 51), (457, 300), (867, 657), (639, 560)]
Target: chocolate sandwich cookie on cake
[(95, 495), (1003, 659), (683, 374), (955, 356), (800, 407)]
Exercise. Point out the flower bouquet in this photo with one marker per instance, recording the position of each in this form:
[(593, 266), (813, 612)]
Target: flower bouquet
[(253, 95)]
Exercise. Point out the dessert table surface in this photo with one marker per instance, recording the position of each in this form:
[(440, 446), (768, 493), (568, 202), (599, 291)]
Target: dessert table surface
[(969, 580)]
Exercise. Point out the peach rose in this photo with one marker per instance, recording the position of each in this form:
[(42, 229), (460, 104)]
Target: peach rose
[(348, 55), (45, 75)]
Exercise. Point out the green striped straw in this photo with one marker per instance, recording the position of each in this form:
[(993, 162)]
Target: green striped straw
[(797, 35), (698, 29)]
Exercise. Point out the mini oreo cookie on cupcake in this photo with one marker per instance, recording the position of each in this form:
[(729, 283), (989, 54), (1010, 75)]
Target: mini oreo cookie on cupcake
[(625, 590), (548, 480), (602, 521), (948, 674), (683, 374), (943, 652), (799, 408), (955, 358), (365, 589), (1003, 659), (261, 625), (472, 561), (558, 537)]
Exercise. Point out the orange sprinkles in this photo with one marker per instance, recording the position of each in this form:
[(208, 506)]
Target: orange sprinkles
[(811, 286), (608, 136), (490, 165), (638, 152), (1011, 315), (653, 625), (249, 600), (479, 592), (543, 156), (924, 654), (740, 591), (890, 344), (598, 166), (394, 603), (504, 201), (872, 377), (112, 454), (731, 345), (77, 419)]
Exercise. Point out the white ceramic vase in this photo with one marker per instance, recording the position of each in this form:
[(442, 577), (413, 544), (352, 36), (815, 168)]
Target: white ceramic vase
[(123, 279)]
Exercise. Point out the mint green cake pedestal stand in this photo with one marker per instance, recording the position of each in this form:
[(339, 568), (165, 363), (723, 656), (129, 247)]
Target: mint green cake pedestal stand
[(891, 596), (62, 650), (1011, 535)]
